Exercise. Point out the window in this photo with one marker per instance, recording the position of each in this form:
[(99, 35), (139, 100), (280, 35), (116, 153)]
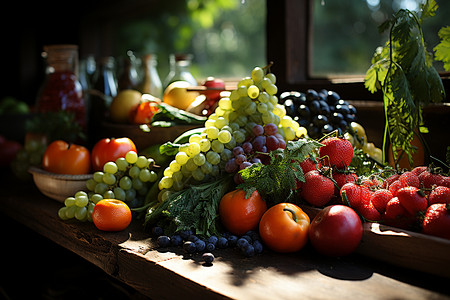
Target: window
[(345, 33), (226, 37)]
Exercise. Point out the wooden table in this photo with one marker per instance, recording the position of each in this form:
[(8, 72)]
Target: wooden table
[(132, 257)]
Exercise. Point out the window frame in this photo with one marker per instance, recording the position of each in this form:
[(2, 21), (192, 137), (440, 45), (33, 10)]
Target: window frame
[(289, 32)]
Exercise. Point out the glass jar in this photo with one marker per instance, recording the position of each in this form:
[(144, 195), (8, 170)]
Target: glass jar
[(151, 83), (61, 89), (180, 69)]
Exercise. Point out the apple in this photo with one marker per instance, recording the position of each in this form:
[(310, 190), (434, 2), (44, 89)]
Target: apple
[(123, 104)]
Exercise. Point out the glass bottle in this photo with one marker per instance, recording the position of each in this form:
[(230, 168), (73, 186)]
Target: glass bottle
[(180, 69), (128, 77), (61, 89), (104, 89), (151, 83)]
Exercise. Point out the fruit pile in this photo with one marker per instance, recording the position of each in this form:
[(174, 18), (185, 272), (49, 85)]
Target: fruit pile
[(319, 112), (124, 179), (237, 119), (415, 200)]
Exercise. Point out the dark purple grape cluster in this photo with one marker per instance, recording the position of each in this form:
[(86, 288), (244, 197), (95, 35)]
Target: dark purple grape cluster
[(319, 112), (249, 244), (255, 149)]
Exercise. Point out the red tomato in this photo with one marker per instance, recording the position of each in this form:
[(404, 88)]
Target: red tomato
[(284, 227), (336, 231), (64, 158), (107, 150), (144, 112), (239, 214)]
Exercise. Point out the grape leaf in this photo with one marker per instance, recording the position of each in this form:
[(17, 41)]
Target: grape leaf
[(442, 50)]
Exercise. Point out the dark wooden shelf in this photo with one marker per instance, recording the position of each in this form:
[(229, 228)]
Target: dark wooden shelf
[(132, 257)]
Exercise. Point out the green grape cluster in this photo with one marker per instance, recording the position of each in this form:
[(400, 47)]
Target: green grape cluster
[(253, 102), (30, 155), (127, 179)]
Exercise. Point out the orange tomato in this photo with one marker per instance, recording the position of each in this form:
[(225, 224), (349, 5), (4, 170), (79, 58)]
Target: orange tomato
[(111, 215), (106, 150), (144, 112), (240, 215), (64, 158), (284, 227)]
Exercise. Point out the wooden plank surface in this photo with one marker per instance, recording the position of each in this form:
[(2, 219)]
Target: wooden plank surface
[(132, 257)]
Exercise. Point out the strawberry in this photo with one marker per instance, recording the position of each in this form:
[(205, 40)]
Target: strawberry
[(418, 170), (317, 189), (412, 199), (308, 165), (336, 152), (409, 179), (396, 215), (445, 181), (352, 193), (369, 212), (395, 186), (392, 179), (428, 179), (380, 198), (437, 220), (342, 178), (440, 194)]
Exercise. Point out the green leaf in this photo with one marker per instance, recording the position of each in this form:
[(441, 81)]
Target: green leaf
[(428, 9), (276, 181), (442, 50)]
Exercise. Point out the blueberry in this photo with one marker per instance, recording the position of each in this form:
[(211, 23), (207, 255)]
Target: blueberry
[(253, 235), (157, 231), (208, 258), (185, 234), (242, 242), (163, 241), (192, 238), (189, 247), (176, 240), (213, 239), (200, 245), (210, 247), (222, 243), (258, 246), (248, 250), (232, 240)]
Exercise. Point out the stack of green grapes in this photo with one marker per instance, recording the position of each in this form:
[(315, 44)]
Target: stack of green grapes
[(254, 102), (128, 179)]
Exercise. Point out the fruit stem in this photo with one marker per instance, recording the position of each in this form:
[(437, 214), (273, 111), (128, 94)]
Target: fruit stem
[(294, 215)]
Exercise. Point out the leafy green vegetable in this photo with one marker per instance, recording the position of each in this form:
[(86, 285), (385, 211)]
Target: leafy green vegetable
[(56, 125), (193, 208), (276, 181), (403, 70), (442, 50)]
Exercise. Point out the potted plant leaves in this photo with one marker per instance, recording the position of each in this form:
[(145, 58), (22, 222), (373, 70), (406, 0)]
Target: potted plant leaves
[(403, 70)]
